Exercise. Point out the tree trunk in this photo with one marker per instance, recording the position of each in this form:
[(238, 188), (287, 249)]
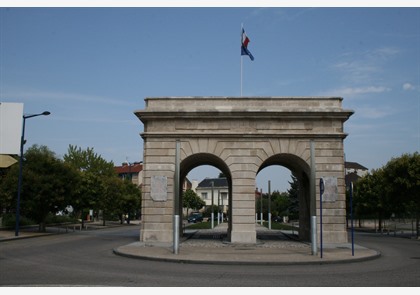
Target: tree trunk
[(380, 222), (81, 217), (42, 227)]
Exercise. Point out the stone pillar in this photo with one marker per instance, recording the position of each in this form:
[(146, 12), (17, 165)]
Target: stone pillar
[(330, 166), (243, 208), (158, 193)]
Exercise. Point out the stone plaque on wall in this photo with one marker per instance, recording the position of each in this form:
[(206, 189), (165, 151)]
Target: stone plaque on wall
[(159, 188), (330, 189)]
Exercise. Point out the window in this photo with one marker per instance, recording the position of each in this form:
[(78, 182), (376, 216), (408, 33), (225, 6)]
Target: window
[(224, 196)]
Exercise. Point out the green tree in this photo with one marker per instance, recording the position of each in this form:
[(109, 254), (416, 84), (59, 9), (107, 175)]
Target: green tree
[(211, 209), (392, 189), (94, 171), (280, 203), (89, 193), (8, 189), (48, 184), (111, 200), (88, 160), (293, 192), (190, 200), (401, 181), (130, 202), (370, 198), (100, 188)]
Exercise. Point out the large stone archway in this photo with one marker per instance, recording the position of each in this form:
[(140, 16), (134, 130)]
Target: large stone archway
[(302, 171), (241, 136)]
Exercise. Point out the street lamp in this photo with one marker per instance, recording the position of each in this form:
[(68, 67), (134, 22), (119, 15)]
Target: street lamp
[(22, 142)]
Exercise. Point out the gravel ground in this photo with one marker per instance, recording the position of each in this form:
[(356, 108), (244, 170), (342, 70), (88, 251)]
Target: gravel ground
[(203, 243), (216, 238)]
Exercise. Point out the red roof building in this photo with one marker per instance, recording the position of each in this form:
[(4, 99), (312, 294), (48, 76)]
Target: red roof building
[(132, 171)]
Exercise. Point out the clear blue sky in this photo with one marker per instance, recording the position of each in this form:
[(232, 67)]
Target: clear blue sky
[(93, 67)]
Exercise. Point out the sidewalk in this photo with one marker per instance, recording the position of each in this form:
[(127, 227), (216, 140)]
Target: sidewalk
[(9, 235), (32, 231), (270, 249)]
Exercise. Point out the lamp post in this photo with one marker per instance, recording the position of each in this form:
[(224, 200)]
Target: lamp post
[(22, 142)]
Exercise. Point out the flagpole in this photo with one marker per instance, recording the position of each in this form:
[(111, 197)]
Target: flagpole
[(241, 75), (242, 27)]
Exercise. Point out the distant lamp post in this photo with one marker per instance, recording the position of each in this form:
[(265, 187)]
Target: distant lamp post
[(22, 142)]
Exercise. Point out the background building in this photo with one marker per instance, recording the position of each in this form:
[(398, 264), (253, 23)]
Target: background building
[(131, 171), (354, 171), (220, 191)]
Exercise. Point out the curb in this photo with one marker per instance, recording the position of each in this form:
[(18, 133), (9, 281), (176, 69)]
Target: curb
[(116, 251)]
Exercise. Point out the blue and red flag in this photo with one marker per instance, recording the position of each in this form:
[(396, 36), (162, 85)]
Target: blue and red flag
[(244, 45)]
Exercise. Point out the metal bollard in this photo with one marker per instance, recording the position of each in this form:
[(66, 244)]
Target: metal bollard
[(313, 236), (176, 234)]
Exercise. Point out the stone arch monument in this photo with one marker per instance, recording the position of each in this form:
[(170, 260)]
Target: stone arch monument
[(242, 136)]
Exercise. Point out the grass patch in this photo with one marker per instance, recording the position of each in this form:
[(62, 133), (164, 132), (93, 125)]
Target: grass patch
[(200, 225), (281, 226)]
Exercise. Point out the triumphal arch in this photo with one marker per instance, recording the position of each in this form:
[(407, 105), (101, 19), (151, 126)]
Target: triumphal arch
[(241, 136)]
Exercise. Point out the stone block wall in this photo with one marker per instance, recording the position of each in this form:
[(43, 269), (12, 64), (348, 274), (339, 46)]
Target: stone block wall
[(241, 136)]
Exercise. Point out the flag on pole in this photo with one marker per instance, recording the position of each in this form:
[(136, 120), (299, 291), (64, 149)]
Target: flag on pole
[(244, 45)]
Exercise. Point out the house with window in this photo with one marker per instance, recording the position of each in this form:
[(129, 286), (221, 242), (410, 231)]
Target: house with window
[(216, 187), (354, 171), (134, 172), (131, 171)]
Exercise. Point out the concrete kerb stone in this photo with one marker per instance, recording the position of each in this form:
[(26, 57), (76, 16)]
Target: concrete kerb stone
[(217, 251), (240, 255)]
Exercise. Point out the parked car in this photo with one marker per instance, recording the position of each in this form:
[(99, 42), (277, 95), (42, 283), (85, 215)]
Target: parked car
[(195, 217), (278, 219)]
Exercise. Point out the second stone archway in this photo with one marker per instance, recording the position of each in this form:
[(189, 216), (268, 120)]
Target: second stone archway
[(301, 170)]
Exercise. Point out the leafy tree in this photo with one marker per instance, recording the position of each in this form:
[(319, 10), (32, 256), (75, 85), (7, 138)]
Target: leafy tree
[(293, 192), (94, 171), (100, 188), (88, 160), (48, 185), (110, 200), (8, 189), (280, 203), (191, 200), (370, 197), (211, 209), (130, 202), (392, 189), (88, 195), (401, 181)]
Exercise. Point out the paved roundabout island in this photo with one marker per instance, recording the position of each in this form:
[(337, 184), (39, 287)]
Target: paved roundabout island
[(270, 249)]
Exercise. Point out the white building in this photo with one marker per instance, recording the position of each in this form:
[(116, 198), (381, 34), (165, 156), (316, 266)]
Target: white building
[(353, 167), (216, 187), (353, 172)]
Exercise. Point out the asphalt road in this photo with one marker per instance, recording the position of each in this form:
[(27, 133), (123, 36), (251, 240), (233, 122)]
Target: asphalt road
[(86, 259)]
